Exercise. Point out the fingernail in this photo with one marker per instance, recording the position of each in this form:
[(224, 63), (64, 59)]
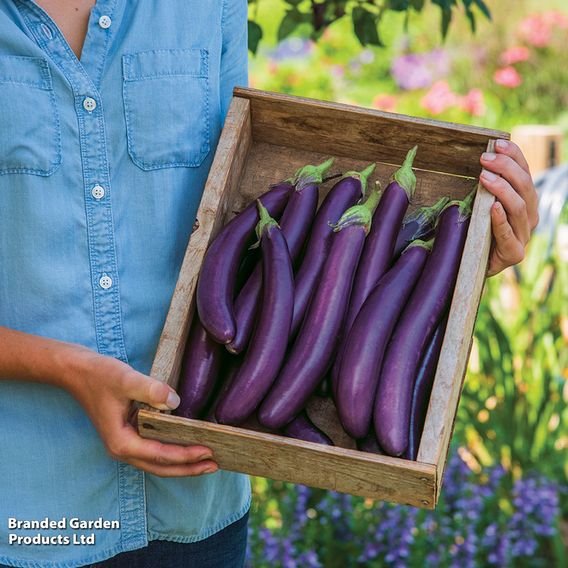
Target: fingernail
[(205, 457), (488, 156), (501, 144), (173, 400), (489, 176), (498, 207), (209, 470)]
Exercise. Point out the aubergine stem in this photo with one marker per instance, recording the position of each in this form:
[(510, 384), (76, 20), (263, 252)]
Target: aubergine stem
[(311, 174), (265, 221), (404, 176), (362, 176), (361, 214)]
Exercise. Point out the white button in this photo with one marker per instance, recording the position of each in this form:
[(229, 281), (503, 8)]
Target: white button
[(98, 192), (105, 282), (89, 104), (105, 22)]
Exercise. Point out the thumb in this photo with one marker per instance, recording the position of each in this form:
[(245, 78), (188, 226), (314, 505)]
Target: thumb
[(145, 389)]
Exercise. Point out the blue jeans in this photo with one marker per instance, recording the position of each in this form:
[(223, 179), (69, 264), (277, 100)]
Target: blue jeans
[(225, 549)]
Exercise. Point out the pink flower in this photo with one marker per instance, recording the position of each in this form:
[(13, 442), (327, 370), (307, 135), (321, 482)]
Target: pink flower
[(536, 30), (473, 103), (556, 18), (507, 77), (515, 55), (439, 98), (385, 102)]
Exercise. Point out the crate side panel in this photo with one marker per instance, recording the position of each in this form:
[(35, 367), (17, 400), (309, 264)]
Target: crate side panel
[(268, 455), (343, 130)]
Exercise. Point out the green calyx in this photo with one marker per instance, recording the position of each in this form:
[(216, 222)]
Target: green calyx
[(310, 174), (420, 243), (363, 176), (465, 205), (361, 214), (404, 176), (433, 211), (265, 221)]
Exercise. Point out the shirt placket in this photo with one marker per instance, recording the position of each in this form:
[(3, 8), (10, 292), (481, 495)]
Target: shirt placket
[(83, 79)]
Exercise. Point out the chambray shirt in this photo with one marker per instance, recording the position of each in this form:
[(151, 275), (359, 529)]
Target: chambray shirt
[(102, 166)]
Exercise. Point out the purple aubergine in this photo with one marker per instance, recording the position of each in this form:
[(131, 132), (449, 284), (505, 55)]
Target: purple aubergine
[(302, 428), (268, 346), (370, 444), (217, 280), (421, 316), (377, 253), (421, 224), (229, 369), (344, 194), (368, 338), (313, 349), (200, 371), (423, 388), (295, 224)]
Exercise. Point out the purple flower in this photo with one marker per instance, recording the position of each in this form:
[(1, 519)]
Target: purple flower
[(420, 70)]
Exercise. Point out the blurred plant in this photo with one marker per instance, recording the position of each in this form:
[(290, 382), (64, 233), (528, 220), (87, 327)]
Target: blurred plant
[(482, 519), (365, 15)]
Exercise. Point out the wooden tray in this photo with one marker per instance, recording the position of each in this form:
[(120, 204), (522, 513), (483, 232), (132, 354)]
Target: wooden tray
[(266, 137)]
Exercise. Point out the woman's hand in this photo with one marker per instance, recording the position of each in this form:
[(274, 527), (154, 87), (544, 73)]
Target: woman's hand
[(514, 214), (106, 389)]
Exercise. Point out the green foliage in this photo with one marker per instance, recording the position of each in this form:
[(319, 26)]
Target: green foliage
[(366, 16)]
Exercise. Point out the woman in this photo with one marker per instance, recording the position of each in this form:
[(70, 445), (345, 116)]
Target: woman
[(110, 113)]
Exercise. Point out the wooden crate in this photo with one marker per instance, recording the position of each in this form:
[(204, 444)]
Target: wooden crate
[(266, 137)]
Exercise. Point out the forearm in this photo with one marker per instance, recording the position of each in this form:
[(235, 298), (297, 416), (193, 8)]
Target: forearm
[(27, 357)]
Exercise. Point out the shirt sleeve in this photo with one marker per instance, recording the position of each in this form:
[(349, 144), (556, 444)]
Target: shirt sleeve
[(234, 53)]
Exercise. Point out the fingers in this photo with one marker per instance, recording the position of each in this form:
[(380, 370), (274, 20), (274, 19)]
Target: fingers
[(507, 248), (515, 207), (141, 388), (509, 162), (161, 459)]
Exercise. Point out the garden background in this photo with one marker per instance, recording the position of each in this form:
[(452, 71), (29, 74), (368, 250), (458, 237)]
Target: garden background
[(505, 495)]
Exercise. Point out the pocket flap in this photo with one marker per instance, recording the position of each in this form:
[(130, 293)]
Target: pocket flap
[(164, 63), (23, 70)]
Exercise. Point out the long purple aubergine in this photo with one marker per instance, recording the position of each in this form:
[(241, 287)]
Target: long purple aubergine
[(295, 224), (421, 224), (344, 194), (229, 368), (367, 341), (423, 388), (377, 253), (421, 316), (302, 428), (313, 349), (370, 444), (268, 346), (217, 280), (200, 371)]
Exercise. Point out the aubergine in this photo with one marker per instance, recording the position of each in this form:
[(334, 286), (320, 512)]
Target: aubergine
[(423, 388), (420, 224), (368, 338), (344, 194), (270, 339), (218, 277), (295, 224), (312, 351), (414, 330), (302, 428)]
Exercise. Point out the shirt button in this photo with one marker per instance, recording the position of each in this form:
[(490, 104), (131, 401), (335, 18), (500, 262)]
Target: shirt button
[(89, 104), (105, 282), (105, 22), (98, 192)]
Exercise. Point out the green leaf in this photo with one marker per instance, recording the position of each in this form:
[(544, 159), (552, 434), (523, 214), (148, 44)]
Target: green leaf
[(446, 20), (288, 24), (417, 4), (398, 5), (484, 8), (365, 27), (471, 17), (293, 2), (254, 36)]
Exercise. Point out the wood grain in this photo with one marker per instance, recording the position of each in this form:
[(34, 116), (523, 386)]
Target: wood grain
[(269, 455), (345, 130), (217, 200), (454, 356)]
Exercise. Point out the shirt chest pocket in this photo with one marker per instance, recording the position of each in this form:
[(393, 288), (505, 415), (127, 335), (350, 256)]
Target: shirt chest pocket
[(166, 104), (30, 137)]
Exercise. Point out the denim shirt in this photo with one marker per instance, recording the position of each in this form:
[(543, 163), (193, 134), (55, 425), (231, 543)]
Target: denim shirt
[(102, 166)]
